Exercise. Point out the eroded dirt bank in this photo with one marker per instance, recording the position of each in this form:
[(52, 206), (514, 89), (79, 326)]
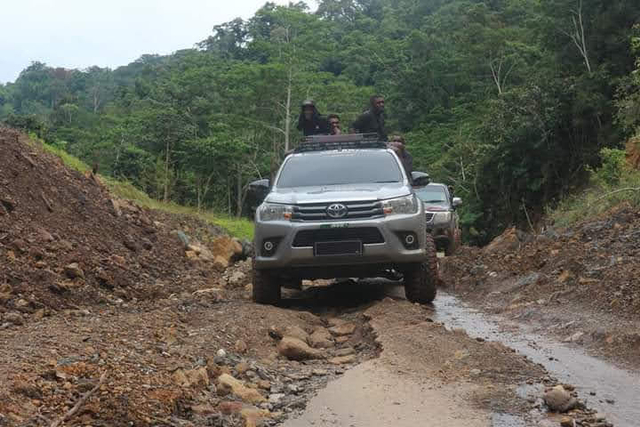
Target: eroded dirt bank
[(578, 284)]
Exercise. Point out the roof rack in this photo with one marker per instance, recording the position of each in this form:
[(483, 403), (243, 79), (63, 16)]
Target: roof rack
[(340, 142)]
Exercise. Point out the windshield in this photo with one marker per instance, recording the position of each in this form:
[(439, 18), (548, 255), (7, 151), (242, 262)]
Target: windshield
[(362, 167), (432, 195)]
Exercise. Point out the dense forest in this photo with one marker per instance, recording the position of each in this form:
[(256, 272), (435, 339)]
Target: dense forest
[(510, 101)]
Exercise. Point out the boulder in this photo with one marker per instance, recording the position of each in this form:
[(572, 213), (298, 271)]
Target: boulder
[(191, 377), (507, 241), (226, 248), (201, 251), (238, 388), (321, 338), (237, 278), (220, 263), (73, 271), (559, 400), (296, 349)]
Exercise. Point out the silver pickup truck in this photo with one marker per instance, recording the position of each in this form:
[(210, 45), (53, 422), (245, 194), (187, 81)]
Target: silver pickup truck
[(341, 206)]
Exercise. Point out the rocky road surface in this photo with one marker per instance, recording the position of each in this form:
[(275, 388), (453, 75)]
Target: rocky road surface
[(337, 354)]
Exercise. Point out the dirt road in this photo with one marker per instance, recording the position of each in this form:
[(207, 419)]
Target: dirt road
[(405, 364)]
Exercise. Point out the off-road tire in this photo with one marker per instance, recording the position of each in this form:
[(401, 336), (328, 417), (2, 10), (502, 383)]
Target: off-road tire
[(266, 287), (421, 280), (295, 284)]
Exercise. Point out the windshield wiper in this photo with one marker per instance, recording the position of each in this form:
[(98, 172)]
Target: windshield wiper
[(386, 182), (433, 201)]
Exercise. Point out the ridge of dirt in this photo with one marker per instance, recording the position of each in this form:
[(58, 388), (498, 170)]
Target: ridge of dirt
[(52, 217), (579, 283)]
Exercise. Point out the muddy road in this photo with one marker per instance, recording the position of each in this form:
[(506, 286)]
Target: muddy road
[(372, 359), (448, 364)]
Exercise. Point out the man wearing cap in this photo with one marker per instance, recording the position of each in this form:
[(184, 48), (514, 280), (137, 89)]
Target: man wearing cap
[(310, 122)]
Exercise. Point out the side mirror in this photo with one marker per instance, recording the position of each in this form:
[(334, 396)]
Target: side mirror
[(259, 190), (420, 179), (259, 185), (457, 201)]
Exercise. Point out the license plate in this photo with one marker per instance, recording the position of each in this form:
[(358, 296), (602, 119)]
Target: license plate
[(345, 247)]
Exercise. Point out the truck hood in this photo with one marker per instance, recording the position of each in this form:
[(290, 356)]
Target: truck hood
[(337, 193)]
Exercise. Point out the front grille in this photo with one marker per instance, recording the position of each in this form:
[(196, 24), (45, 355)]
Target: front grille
[(308, 238), (355, 210), (430, 216)]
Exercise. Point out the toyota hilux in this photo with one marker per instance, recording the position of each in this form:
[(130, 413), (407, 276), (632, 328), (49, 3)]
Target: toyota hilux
[(341, 206)]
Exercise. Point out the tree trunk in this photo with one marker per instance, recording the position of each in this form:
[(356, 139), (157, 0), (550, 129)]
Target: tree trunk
[(287, 123), (166, 173), (96, 101), (239, 193)]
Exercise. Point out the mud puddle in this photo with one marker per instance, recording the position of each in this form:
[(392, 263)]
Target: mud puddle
[(612, 391)]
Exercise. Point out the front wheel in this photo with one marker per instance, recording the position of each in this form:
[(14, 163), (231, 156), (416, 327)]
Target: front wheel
[(421, 280), (266, 287)]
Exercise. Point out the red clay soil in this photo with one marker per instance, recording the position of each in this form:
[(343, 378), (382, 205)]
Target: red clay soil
[(52, 217)]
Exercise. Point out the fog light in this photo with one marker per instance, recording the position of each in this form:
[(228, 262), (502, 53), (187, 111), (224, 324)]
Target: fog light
[(409, 240), (270, 246)]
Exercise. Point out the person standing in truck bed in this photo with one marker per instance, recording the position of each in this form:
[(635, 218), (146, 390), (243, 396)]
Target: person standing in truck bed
[(372, 120), (310, 121)]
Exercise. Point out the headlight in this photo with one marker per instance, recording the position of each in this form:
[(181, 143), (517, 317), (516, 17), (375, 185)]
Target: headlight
[(272, 212), (442, 217), (401, 205)]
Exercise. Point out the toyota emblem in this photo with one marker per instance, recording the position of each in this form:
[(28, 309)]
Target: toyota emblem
[(337, 210)]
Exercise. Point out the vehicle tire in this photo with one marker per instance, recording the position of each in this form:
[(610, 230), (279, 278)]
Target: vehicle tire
[(295, 284), (266, 287), (421, 281)]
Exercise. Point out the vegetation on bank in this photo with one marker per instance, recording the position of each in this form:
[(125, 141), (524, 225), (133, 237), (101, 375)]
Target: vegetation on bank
[(615, 183), (238, 227), (510, 101)]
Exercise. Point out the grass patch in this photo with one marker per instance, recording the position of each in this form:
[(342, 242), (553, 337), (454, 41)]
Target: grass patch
[(68, 159), (597, 199), (241, 228)]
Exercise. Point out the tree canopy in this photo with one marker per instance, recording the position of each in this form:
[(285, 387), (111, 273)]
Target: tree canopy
[(510, 101)]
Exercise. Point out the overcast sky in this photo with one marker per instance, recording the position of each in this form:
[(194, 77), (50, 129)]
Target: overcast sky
[(107, 33)]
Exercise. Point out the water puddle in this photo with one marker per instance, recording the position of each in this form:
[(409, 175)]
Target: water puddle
[(612, 391)]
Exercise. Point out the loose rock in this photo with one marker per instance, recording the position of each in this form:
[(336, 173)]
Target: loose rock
[(15, 318), (344, 329), (73, 271), (238, 388), (559, 400), (321, 338), (343, 360), (296, 349)]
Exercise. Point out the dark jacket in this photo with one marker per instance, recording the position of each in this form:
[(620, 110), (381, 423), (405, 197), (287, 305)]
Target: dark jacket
[(407, 162), (318, 125), (370, 122)]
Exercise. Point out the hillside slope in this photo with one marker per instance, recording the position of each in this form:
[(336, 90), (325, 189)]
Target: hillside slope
[(65, 241)]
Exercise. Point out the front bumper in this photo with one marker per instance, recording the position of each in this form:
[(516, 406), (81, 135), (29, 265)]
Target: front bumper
[(391, 252)]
